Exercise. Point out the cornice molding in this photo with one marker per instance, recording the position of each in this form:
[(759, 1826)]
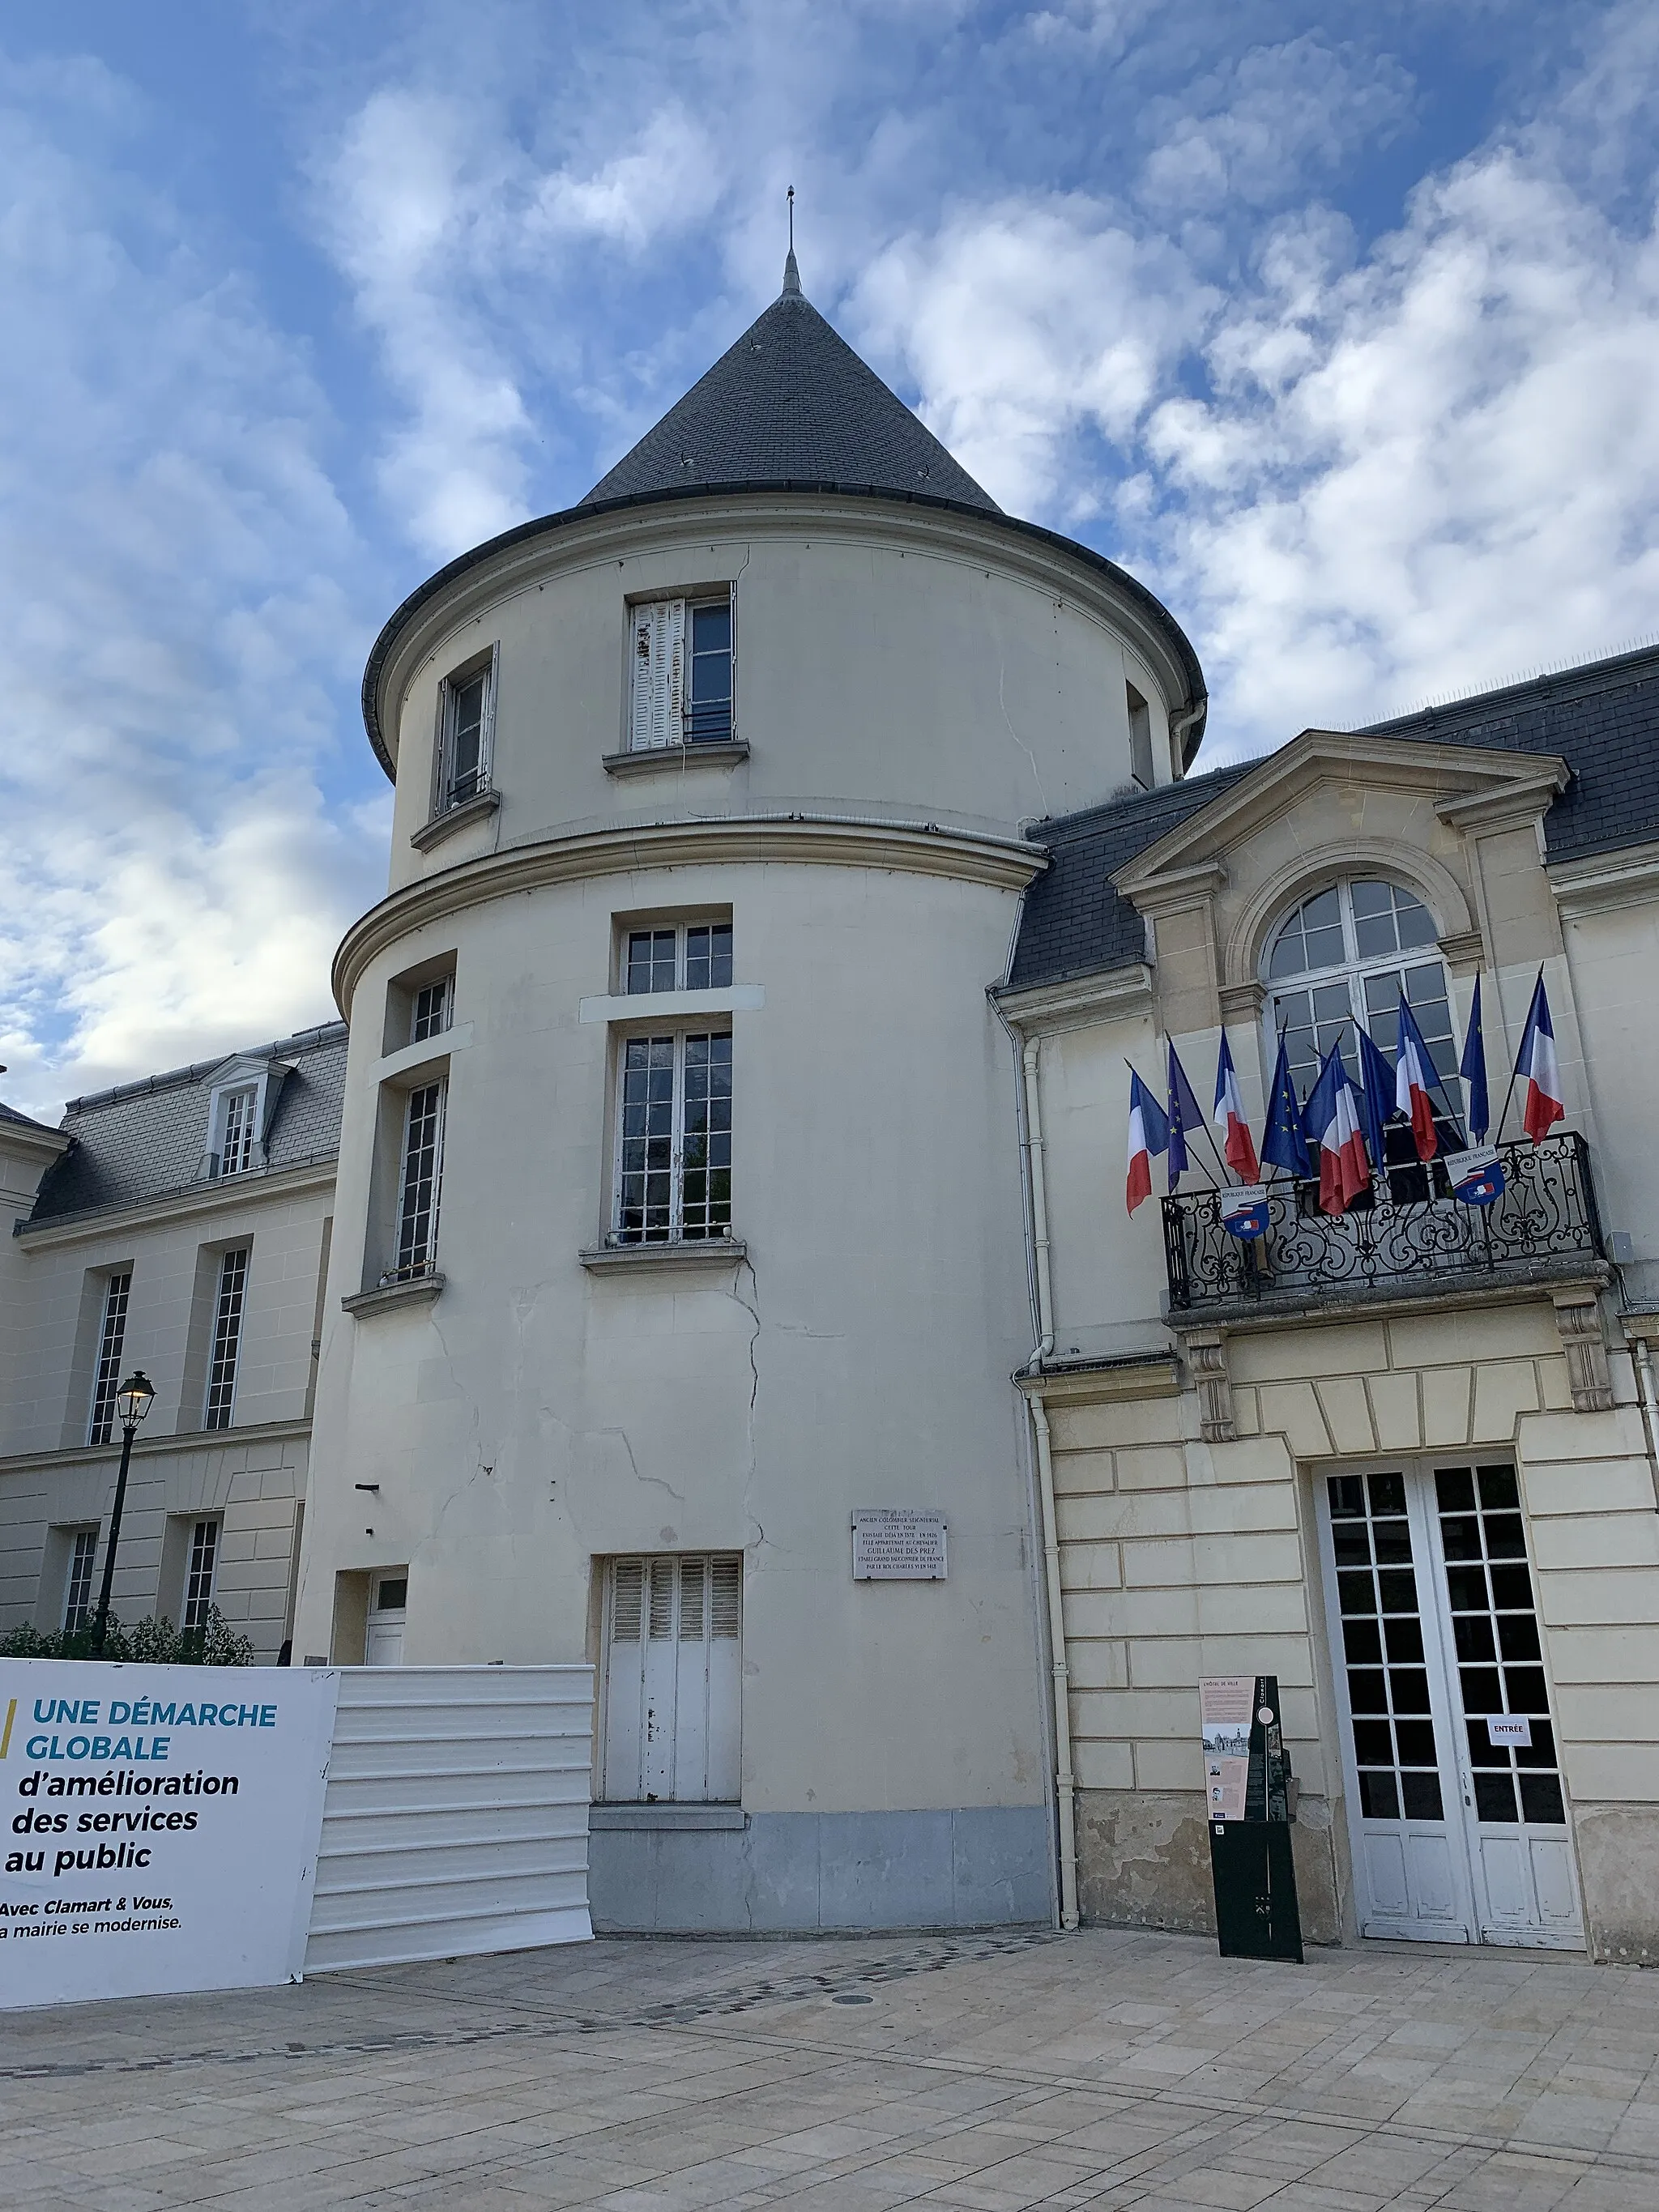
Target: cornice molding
[(227, 1196), (1519, 800), (1078, 999), (807, 840), (1627, 878), (156, 1447), (33, 1142), (1102, 1383)]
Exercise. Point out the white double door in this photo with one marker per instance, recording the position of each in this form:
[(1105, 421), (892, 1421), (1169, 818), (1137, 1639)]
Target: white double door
[(1457, 1819)]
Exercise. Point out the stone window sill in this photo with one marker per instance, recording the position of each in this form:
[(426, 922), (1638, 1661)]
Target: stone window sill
[(420, 1291), (446, 825), (647, 1258), (675, 757), (666, 1816)]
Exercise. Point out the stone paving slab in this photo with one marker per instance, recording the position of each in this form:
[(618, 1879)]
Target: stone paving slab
[(989, 2073)]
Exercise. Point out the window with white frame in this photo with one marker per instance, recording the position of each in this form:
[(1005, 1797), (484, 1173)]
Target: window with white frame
[(673, 1680), (1347, 956), (673, 1174), (466, 726), (431, 1009), (77, 1588), (1140, 739), (226, 1339), (419, 1178), (112, 1335), (236, 1137), (200, 1574), (681, 685), (694, 956)]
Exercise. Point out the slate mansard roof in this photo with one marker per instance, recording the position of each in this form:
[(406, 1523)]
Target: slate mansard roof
[(145, 1140), (791, 401), (1603, 719)]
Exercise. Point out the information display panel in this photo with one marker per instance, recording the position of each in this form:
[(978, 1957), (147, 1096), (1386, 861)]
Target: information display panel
[(161, 1826)]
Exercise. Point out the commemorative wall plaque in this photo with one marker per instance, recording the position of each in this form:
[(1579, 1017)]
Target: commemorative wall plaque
[(898, 1544)]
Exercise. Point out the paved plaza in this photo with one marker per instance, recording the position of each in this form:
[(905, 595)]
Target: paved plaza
[(978, 2073)]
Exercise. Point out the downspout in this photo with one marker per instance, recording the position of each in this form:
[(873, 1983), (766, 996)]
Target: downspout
[(1065, 1780), (1178, 729), (1649, 1389)]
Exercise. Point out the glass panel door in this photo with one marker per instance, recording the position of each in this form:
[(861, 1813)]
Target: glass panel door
[(1410, 1863), (1525, 1885)]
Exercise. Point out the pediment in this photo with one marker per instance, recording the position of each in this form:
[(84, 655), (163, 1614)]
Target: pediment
[(1466, 785)]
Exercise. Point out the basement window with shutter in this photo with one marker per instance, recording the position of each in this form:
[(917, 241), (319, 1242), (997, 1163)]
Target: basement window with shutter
[(681, 681), (673, 1679)]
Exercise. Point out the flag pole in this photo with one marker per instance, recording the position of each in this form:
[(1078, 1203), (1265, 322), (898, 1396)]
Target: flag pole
[(1497, 1134)]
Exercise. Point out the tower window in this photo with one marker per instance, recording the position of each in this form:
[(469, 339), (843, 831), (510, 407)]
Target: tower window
[(673, 1176), (684, 957), (681, 681), (466, 726), (1140, 739), (418, 1184)]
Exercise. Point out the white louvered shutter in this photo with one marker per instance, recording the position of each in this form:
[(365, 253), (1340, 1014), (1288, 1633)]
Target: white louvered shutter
[(659, 664), (673, 1681)]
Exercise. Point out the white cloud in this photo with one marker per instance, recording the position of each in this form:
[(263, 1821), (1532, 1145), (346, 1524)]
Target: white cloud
[(456, 244), (1021, 322), (172, 562), (1359, 480), (1261, 127)]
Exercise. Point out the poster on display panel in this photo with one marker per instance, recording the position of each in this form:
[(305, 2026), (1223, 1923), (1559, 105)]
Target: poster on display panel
[(161, 1826)]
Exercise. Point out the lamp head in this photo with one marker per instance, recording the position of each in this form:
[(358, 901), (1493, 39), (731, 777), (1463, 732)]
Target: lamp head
[(134, 1399)]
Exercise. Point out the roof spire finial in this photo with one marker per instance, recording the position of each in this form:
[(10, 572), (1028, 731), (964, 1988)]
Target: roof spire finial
[(791, 273)]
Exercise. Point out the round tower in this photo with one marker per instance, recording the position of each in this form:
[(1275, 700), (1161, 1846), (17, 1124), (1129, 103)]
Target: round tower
[(679, 1228)]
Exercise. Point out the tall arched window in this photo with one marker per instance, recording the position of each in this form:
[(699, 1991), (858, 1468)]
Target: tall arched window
[(1349, 954)]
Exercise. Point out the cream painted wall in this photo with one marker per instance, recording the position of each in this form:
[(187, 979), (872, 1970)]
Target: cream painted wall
[(1180, 1558), (886, 661), (538, 1416), (252, 1474)]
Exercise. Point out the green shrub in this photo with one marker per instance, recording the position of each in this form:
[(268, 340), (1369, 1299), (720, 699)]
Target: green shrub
[(156, 1643)]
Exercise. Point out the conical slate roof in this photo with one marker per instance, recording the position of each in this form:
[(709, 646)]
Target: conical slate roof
[(791, 402)]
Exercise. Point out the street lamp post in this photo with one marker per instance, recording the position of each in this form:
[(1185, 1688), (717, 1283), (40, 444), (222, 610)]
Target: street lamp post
[(132, 1401)]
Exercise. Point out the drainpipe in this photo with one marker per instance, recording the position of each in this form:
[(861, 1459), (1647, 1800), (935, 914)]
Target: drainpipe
[(1178, 730), (1039, 1206), (1064, 1781), (1649, 1389)]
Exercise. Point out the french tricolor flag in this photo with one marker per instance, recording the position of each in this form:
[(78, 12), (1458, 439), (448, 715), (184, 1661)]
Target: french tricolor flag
[(1544, 1104), (1413, 1074), (1149, 1133), (1332, 1119), (1237, 1143)]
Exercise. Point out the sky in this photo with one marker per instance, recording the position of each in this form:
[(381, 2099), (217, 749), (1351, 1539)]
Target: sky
[(1339, 326)]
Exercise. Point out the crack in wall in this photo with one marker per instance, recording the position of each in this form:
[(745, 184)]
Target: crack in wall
[(1002, 679), (751, 1307)]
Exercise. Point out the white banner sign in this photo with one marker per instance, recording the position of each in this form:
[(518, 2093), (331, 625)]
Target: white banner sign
[(161, 1826)]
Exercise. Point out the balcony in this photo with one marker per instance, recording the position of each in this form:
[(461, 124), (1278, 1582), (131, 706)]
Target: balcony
[(1411, 1238)]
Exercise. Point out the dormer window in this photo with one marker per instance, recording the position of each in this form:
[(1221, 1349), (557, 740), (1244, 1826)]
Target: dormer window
[(239, 1110), (466, 725), (235, 1145)]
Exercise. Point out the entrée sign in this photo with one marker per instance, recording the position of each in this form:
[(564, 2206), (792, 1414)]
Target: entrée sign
[(161, 1826), (898, 1544)]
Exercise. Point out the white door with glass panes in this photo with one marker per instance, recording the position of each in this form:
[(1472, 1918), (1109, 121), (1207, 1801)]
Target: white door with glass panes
[(388, 1611), (1458, 1821), (673, 1679)]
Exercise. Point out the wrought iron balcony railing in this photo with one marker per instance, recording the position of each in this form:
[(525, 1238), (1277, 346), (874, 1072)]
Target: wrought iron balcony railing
[(1409, 1235)]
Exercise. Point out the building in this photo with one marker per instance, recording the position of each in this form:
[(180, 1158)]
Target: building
[(179, 1224), (730, 1282)]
